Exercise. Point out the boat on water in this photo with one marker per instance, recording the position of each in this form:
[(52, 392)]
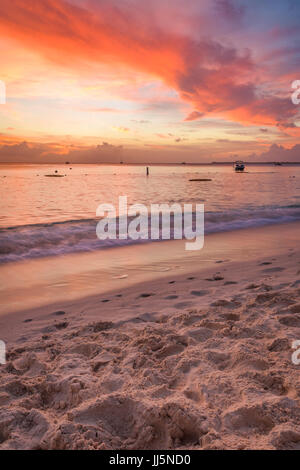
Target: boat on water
[(239, 165)]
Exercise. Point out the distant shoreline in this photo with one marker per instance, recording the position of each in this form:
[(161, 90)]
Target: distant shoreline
[(273, 163)]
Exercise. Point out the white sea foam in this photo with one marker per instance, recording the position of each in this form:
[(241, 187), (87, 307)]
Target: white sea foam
[(35, 241)]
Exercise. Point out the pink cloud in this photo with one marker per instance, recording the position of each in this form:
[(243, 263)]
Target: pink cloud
[(193, 116), (214, 78)]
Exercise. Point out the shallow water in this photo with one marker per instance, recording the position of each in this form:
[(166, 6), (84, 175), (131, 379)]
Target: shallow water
[(42, 216)]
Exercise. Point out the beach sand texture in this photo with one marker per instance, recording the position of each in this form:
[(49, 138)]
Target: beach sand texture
[(199, 361)]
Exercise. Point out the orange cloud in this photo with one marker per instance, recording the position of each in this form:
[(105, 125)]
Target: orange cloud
[(213, 78)]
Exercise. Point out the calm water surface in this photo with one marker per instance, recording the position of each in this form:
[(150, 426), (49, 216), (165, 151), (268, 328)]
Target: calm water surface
[(42, 216)]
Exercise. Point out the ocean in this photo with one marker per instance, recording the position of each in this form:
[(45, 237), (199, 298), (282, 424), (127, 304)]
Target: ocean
[(52, 216)]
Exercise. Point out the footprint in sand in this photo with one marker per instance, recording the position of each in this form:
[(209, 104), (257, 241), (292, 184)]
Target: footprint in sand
[(279, 344), (147, 317), (48, 329), (171, 297), (61, 326), (229, 283), (143, 296), (252, 286), (286, 439), (230, 316), (290, 321), (252, 419), (192, 394), (101, 326), (59, 313), (216, 277), (182, 305), (171, 282), (191, 278), (273, 270), (105, 301), (265, 263), (199, 293), (28, 320)]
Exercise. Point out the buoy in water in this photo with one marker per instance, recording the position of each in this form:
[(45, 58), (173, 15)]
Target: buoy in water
[(200, 179)]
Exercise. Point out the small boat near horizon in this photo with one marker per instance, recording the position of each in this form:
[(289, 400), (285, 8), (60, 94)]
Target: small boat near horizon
[(239, 166)]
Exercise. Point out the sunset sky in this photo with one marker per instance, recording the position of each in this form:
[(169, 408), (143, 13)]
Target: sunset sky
[(155, 80)]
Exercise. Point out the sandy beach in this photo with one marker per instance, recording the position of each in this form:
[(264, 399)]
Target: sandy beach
[(194, 356)]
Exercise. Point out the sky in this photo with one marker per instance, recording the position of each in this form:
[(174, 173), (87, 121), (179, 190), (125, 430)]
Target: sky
[(149, 81)]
